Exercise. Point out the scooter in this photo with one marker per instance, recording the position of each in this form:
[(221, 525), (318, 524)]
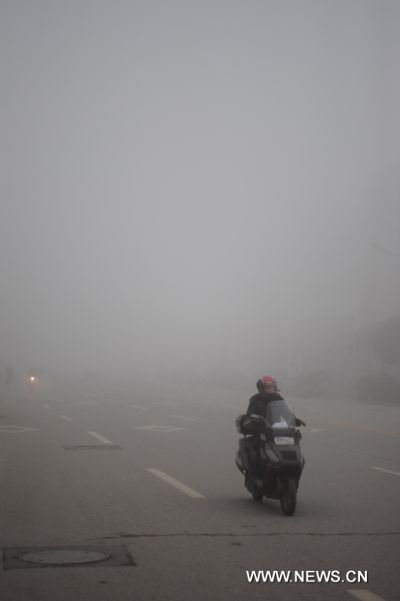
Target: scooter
[(269, 455), (32, 382)]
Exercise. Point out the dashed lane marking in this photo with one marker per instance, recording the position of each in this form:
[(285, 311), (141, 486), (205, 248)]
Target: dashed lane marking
[(138, 407), (45, 406), (159, 428), (187, 419), (367, 430), (176, 483), (68, 419), (100, 437), (382, 469), (166, 403), (16, 429), (364, 595)]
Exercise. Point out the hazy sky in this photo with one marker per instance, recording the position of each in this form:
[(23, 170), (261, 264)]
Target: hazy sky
[(187, 183)]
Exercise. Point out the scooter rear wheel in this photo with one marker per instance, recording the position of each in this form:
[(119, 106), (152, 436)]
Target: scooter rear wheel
[(289, 497)]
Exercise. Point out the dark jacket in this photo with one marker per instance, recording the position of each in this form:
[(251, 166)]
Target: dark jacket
[(258, 403)]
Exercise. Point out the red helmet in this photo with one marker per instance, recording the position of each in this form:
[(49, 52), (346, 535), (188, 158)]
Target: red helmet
[(267, 382)]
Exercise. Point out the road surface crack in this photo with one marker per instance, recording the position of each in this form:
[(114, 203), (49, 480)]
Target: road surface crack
[(246, 534)]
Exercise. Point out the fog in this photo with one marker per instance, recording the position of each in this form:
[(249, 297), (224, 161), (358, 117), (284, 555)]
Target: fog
[(199, 189)]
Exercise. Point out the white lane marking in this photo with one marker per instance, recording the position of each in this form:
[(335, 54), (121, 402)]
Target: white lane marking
[(173, 482), (45, 406), (382, 469), (166, 403), (138, 407), (100, 437), (313, 430), (16, 429), (364, 594), (188, 419), (158, 428), (69, 419)]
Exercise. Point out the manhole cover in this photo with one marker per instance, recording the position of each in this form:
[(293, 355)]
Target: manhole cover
[(55, 557), (85, 556)]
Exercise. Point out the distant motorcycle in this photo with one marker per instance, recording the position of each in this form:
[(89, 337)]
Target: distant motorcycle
[(32, 382), (269, 455)]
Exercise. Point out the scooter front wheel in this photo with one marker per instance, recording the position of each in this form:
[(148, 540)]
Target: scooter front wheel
[(257, 496), (289, 497)]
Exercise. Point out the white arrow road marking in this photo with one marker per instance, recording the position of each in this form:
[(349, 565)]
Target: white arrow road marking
[(158, 428), (69, 419), (100, 437), (382, 469), (15, 429), (179, 485), (364, 594), (188, 419)]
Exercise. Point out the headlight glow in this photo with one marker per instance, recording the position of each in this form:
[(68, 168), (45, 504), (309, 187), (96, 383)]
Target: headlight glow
[(284, 440)]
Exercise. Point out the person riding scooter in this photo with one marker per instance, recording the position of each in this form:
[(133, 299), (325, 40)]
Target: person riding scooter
[(267, 391), (269, 454)]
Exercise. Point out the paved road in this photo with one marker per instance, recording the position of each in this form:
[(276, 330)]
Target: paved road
[(172, 498)]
